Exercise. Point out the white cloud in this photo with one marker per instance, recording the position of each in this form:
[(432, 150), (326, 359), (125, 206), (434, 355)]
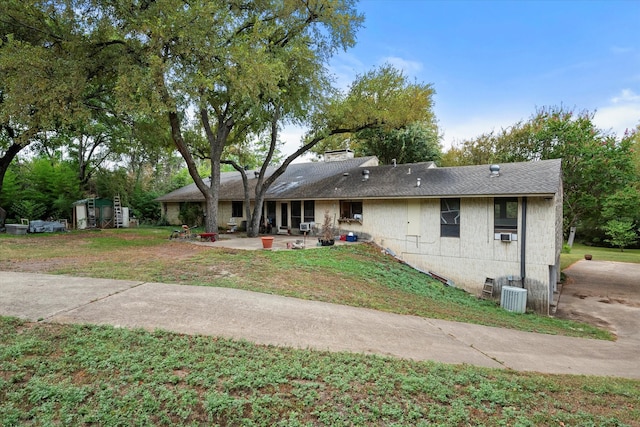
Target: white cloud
[(618, 118), (455, 132), (409, 67), (626, 95), (344, 68), (291, 136), (623, 113)]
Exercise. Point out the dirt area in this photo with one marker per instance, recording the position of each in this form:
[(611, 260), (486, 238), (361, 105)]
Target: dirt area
[(73, 252)]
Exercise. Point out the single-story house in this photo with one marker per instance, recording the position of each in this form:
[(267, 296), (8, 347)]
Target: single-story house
[(465, 224)]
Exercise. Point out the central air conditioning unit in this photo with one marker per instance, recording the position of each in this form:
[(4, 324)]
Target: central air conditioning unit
[(306, 226), (513, 299)]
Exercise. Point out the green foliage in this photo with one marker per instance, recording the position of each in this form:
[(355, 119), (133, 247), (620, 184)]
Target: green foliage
[(77, 375), (144, 207), (599, 253), (623, 204), (10, 188), (109, 183), (191, 214), (49, 184), (397, 113), (417, 142), (28, 209), (621, 234)]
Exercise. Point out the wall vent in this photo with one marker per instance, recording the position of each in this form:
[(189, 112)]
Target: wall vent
[(513, 299)]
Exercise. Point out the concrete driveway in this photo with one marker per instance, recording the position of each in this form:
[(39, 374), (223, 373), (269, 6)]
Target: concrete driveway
[(276, 320), (606, 294)]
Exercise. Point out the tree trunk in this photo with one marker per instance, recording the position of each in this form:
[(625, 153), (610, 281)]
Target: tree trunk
[(217, 142), (263, 185), (6, 160), (256, 216)]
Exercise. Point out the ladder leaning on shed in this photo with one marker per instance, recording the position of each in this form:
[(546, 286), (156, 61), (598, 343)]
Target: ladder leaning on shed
[(91, 213), (117, 212)]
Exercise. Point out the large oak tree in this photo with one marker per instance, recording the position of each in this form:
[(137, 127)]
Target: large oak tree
[(220, 62)]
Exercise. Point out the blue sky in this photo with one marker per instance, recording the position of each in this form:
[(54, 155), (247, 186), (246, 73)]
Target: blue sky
[(493, 63)]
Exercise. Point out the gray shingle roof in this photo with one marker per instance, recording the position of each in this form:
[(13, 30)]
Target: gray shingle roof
[(515, 179), (297, 175), (345, 180)]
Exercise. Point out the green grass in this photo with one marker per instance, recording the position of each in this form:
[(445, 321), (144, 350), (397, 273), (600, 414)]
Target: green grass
[(82, 375), (601, 254), (356, 275), (91, 375)]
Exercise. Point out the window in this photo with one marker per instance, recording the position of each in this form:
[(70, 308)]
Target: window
[(449, 217), (296, 213), (236, 210), (309, 211), (350, 210), (505, 215)]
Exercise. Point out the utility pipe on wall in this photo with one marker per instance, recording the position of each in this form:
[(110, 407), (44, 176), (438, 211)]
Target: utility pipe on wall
[(523, 242)]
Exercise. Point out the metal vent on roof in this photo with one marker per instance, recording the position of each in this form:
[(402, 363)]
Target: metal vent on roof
[(495, 170)]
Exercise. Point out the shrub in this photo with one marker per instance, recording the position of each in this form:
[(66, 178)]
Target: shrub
[(621, 233), (28, 209)]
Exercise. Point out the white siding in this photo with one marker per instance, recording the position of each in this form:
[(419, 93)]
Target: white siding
[(476, 254)]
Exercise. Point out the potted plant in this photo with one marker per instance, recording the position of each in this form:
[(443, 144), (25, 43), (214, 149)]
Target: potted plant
[(326, 239)]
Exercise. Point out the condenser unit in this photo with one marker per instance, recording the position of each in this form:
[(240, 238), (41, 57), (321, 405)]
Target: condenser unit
[(513, 299)]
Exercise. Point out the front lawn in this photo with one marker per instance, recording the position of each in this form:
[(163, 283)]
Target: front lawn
[(578, 252), (101, 375), (357, 275)]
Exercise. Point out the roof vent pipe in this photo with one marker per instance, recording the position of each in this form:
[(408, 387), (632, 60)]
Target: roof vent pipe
[(495, 170), (418, 182), (394, 162), (365, 175), (409, 171)]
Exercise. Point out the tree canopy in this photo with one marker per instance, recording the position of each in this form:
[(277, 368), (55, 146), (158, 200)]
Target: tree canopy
[(595, 164), (399, 118), (232, 64)]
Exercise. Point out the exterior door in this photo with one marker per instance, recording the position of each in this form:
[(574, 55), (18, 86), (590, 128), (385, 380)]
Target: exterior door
[(284, 215), (271, 212), (413, 218)]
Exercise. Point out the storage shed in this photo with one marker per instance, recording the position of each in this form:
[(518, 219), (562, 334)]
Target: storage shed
[(99, 213)]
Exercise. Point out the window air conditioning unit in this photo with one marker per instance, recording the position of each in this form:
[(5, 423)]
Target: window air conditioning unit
[(505, 237), (306, 226)]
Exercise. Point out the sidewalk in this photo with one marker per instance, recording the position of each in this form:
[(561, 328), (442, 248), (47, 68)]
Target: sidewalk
[(276, 320)]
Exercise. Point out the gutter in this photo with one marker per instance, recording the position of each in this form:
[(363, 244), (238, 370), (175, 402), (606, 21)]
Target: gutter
[(523, 242)]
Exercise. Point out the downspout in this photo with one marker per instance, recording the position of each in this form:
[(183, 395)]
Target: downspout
[(523, 242)]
